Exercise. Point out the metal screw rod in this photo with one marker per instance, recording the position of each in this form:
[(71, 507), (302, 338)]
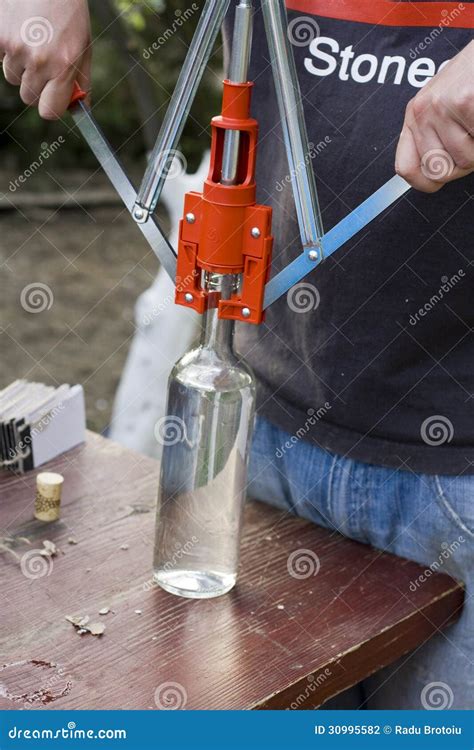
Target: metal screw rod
[(238, 70), (293, 123)]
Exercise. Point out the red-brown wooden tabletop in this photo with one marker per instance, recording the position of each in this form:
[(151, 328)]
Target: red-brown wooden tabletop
[(276, 641)]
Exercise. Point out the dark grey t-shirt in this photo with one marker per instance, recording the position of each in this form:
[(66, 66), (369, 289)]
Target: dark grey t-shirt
[(374, 357)]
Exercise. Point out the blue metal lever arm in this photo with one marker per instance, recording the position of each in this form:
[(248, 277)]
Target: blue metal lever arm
[(336, 237)]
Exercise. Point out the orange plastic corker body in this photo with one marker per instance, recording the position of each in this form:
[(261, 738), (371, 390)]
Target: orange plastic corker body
[(224, 230)]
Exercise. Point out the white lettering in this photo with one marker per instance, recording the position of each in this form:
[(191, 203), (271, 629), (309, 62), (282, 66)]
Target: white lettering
[(386, 62), (323, 56), (364, 77), (346, 55), (423, 67)]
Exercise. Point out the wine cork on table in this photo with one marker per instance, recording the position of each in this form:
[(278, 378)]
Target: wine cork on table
[(48, 496)]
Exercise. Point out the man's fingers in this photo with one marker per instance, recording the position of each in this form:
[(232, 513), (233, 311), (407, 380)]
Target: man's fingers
[(55, 98), (460, 146), (438, 165), (13, 68), (84, 73), (31, 87), (428, 144), (442, 160), (408, 164)]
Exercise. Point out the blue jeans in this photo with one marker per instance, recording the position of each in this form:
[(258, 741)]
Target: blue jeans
[(417, 516)]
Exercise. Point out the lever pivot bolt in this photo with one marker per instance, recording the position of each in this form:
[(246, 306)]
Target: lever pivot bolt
[(190, 218), (255, 232)]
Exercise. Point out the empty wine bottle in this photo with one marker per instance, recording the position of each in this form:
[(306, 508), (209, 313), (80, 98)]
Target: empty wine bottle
[(206, 436)]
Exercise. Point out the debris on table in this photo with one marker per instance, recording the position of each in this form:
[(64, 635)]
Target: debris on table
[(124, 546), (5, 543), (97, 628), (71, 540), (104, 611), (82, 625), (49, 549), (78, 620)]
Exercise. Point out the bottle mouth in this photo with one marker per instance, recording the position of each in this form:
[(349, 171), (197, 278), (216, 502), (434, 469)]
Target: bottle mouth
[(227, 284)]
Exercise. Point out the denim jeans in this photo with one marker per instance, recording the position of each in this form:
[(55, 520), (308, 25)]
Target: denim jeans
[(426, 518)]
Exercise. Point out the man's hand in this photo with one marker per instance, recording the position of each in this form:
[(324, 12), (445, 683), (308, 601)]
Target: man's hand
[(436, 143), (46, 46)]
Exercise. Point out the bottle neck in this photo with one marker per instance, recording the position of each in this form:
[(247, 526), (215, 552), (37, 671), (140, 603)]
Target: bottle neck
[(218, 333)]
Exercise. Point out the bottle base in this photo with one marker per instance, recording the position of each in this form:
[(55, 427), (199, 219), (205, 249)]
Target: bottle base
[(195, 584)]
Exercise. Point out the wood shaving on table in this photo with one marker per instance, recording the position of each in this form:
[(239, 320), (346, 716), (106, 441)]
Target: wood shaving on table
[(5, 547), (97, 628), (49, 549), (79, 621), (82, 624)]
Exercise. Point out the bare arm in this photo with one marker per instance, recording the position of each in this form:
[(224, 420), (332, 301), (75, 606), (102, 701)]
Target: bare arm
[(436, 145), (46, 46)]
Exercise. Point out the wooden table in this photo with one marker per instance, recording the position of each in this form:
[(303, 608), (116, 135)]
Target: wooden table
[(276, 641)]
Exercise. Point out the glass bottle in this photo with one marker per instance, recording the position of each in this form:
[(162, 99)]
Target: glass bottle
[(206, 440)]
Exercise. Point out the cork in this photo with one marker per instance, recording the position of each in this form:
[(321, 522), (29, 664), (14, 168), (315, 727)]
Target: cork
[(48, 496)]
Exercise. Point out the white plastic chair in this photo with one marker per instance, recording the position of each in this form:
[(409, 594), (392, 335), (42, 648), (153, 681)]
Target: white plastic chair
[(164, 331)]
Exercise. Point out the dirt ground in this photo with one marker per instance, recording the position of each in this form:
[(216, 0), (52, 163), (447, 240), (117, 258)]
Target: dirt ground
[(94, 263)]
